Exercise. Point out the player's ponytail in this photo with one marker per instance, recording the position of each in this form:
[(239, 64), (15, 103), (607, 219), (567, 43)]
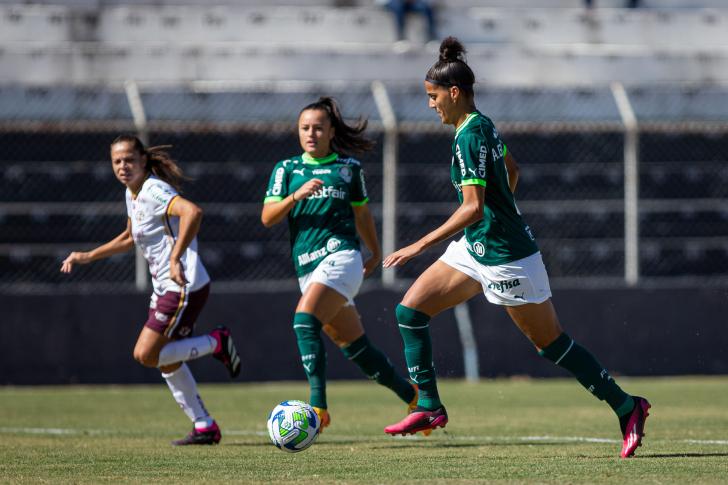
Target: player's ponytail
[(347, 139), (159, 162), (451, 68)]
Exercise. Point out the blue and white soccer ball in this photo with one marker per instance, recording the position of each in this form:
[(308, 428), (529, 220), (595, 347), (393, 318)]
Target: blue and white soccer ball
[(293, 426)]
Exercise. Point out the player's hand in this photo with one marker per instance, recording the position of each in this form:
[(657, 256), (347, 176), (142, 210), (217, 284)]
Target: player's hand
[(75, 257), (177, 272), (310, 187), (371, 264), (399, 258)]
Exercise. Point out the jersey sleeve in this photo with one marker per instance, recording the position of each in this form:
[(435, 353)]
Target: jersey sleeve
[(359, 194), (127, 201), (160, 196), (472, 154), (277, 184)]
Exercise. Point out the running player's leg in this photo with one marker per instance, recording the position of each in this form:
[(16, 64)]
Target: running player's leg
[(169, 319), (347, 332), (318, 304), (440, 287), (182, 385), (541, 325), (173, 315)]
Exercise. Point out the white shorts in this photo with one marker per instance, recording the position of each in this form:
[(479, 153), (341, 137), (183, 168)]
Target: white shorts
[(511, 284), (342, 271)]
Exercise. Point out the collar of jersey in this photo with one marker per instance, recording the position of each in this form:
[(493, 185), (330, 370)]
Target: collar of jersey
[(134, 195), (468, 119), (319, 161)]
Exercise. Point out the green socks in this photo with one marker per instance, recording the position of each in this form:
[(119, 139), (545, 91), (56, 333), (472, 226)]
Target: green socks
[(313, 355), (377, 367), (415, 330), (566, 353)]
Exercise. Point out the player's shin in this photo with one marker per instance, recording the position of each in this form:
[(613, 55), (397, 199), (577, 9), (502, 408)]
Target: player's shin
[(566, 353), (377, 367), (186, 349), (184, 389), (415, 330), (313, 355)]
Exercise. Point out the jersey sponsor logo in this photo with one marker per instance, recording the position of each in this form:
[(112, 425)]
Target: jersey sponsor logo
[(332, 245), (479, 248), (528, 231), (459, 155), (320, 171), (482, 158), (161, 316), (299, 171), (328, 191), (345, 173), (307, 258), (278, 181), (502, 286), (498, 151)]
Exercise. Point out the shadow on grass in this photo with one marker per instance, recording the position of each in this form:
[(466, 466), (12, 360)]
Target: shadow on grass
[(679, 455), (450, 444)]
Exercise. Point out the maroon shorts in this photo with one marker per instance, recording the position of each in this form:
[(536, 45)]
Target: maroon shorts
[(174, 314)]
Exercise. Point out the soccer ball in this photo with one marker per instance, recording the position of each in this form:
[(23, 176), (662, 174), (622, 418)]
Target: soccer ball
[(293, 426)]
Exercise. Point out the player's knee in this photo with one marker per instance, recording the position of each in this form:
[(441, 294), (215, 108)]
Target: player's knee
[(409, 316), (146, 357)]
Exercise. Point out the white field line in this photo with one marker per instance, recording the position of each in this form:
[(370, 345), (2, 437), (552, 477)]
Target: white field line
[(329, 437)]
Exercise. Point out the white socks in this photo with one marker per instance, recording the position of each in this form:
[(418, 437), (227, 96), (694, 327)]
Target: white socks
[(186, 349), (184, 389)]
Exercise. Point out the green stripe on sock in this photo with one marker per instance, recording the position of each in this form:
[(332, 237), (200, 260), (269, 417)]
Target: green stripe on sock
[(376, 366), (313, 355), (568, 354), (415, 331)]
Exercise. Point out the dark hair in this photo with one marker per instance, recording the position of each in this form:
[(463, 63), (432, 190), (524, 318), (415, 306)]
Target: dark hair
[(347, 139), (159, 162), (451, 69)]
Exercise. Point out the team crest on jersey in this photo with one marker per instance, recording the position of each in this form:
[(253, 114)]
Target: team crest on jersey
[(345, 173), (332, 245), (139, 216), (479, 248)]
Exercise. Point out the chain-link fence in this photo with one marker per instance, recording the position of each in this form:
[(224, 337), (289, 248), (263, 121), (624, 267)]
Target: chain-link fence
[(57, 191)]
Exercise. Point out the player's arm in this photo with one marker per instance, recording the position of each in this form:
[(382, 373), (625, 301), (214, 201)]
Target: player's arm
[(275, 209), (368, 232), (513, 171), (190, 219), (469, 212), (120, 244)]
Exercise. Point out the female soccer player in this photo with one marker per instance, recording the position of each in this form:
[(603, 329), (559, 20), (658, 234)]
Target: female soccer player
[(497, 255), (323, 195), (165, 225)]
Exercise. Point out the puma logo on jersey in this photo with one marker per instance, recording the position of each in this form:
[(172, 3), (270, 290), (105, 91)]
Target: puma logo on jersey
[(299, 172)]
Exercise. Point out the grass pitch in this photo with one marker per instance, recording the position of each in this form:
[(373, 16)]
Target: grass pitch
[(546, 431)]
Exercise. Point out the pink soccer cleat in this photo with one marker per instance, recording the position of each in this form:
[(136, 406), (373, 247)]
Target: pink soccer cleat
[(419, 420), (206, 436), (413, 405), (634, 430), (225, 350)]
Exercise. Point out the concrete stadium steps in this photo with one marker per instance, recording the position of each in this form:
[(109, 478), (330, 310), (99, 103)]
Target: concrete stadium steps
[(54, 63), (52, 43), (306, 25)]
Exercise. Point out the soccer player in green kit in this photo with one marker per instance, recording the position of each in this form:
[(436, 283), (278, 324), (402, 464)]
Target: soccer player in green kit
[(323, 195), (497, 256)]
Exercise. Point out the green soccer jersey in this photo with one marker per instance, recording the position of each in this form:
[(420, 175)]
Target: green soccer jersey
[(323, 223), (478, 158)]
